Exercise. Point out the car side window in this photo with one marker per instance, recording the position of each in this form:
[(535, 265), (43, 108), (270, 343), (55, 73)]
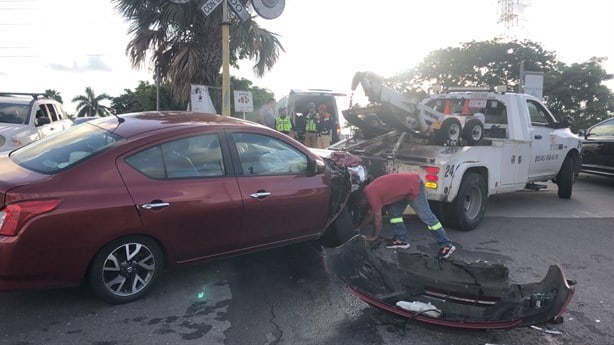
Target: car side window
[(52, 112), (539, 115), (41, 112), (264, 155), (197, 156), (605, 129)]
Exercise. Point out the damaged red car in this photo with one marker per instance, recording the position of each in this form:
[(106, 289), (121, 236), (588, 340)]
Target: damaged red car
[(116, 200), (453, 293)]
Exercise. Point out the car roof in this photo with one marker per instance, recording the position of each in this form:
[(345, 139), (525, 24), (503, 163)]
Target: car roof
[(134, 124), (15, 100)]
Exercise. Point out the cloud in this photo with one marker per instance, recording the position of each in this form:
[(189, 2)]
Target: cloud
[(94, 63)]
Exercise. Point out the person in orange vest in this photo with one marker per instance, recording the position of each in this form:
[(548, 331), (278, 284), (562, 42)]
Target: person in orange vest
[(392, 193), (325, 127), (283, 123)]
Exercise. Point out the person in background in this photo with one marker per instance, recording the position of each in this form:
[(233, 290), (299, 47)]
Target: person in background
[(283, 123), (299, 127), (267, 113), (393, 192), (311, 126), (325, 127)]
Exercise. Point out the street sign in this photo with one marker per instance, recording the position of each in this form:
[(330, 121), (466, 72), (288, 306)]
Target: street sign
[(239, 9), (244, 101), (210, 5)]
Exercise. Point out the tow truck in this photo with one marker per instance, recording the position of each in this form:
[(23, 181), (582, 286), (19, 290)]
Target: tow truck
[(465, 144)]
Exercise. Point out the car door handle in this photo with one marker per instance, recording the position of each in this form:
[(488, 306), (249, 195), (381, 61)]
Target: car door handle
[(537, 137), (155, 205), (260, 195)]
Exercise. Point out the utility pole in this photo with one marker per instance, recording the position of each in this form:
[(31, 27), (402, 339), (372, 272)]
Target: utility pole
[(225, 60)]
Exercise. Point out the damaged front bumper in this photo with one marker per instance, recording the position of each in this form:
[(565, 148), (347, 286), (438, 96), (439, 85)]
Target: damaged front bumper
[(459, 294)]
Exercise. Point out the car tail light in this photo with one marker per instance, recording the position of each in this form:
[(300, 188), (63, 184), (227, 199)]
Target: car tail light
[(431, 177), (14, 216)]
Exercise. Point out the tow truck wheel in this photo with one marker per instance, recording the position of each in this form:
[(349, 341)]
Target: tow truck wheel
[(450, 130), (467, 209), (473, 131), (565, 178)]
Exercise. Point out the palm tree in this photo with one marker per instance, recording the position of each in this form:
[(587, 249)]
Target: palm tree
[(186, 45), (89, 104), (53, 94)]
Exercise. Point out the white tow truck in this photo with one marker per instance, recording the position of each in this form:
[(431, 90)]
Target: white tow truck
[(516, 143)]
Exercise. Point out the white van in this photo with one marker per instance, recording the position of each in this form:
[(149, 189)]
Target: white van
[(296, 104)]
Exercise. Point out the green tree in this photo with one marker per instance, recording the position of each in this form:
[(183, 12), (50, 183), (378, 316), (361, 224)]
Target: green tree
[(90, 104), (259, 96), (53, 94), (577, 90), (186, 45), (143, 98), (570, 90)]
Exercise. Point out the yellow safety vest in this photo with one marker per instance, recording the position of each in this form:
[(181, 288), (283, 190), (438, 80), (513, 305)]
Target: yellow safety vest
[(310, 123), (283, 124)]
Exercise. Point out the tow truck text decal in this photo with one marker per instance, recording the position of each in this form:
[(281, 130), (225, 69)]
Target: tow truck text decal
[(549, 157)]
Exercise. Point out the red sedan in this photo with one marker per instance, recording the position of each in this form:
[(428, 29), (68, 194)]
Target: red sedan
[(116, 200)]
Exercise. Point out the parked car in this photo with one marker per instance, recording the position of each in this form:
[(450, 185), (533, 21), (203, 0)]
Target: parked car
[(26, 117), (82, 119), (598, 149), (115, 200)]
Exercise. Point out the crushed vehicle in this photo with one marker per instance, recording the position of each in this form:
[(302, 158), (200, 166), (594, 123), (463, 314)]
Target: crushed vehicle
[(115, 201), (451, 293), (465, 144)]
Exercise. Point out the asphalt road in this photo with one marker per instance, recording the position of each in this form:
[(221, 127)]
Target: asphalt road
[(285, 296)]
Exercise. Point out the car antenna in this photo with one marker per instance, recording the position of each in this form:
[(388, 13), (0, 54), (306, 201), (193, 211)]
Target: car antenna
[(119, 119)]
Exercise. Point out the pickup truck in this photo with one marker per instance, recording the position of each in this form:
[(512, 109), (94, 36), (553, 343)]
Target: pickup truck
[(522, 144)]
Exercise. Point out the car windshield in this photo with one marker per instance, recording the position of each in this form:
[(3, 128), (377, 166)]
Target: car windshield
[(56, 153), (14, 113)]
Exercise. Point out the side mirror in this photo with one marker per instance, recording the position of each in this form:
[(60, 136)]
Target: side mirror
[(567, 121), (582, 133), (313, 168)]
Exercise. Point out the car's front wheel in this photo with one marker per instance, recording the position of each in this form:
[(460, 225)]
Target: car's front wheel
[(126, 269), (565, 178)]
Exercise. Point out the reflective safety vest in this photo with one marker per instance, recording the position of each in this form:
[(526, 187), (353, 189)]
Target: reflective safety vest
[(310, 123), (283, 124)]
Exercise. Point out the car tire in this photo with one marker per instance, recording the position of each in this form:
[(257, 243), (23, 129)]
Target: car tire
[(565, 178), (125, 270), (439, 209), (341, 230), (450, 130), (473, 131), (467, 209)]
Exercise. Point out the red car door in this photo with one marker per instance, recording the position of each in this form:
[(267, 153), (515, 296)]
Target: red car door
[(185, 196), (281, 200)]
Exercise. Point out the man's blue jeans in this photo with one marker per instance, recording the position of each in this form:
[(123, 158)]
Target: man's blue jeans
[(421, 206)]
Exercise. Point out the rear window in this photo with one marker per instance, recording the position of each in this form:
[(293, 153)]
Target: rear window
[(59, 152)]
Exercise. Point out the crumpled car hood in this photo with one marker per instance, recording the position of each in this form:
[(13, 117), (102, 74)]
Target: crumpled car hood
[(459, 294)]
